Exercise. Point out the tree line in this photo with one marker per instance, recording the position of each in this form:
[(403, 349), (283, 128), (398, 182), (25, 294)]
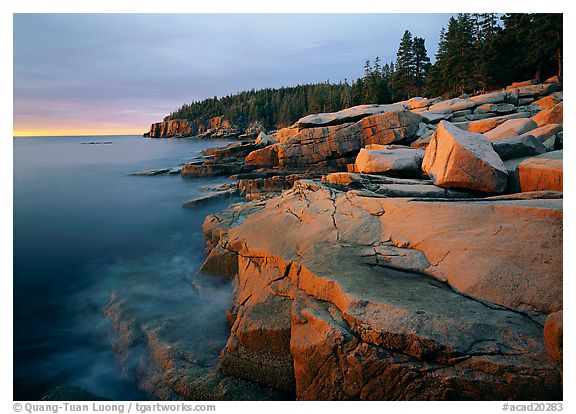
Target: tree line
[(476, 52)]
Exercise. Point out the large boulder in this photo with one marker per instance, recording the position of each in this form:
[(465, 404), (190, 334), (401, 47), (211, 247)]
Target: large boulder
[(263, 157), (545, 132), (553, 115), (460, 159), (352, 114), (547, 101), (544, 172), (483, 125), (489, 98), (510, 128), (518, 146), (382, 159), (315, 145), (265, 139), (537, 90), (418, 102), (452, 105)]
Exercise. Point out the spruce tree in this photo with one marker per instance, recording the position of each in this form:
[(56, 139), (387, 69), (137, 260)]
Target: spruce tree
[(421, 63), (404, 75)]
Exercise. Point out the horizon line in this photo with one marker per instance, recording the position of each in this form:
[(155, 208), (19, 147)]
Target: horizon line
[(73, 135)]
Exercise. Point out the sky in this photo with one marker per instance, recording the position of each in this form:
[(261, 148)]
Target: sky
[(102, 74)]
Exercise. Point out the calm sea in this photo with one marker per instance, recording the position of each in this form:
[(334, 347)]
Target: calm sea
[(85, 228)]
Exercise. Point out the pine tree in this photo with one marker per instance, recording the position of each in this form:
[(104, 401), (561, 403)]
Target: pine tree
[(346, 100), (404, 75), (421, 63)]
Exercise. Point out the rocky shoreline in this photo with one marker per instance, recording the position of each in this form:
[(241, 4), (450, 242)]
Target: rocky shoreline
[(410, 251)]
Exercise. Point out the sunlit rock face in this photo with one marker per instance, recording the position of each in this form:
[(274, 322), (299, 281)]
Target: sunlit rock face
[(174, 128), (460, 159), (393, 298)]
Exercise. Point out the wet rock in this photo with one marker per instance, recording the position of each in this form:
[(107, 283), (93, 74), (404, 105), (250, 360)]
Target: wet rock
[(69, 393), (466, 160), (157, 171), (210, 198), (175, 356), (234, 150), (220, 262), (213, 168)]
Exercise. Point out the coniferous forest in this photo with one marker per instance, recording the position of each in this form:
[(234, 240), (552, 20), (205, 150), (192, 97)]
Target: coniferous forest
[(476, 52)]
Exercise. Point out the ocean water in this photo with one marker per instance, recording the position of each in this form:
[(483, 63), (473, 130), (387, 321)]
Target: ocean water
[(84, 228)]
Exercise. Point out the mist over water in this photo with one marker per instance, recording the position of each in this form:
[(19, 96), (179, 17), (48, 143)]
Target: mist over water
[(84, 229)]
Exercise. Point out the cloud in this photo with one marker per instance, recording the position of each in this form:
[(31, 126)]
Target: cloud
[(104, 66)]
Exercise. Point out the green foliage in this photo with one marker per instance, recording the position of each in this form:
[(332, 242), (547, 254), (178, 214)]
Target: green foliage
[(483, 51), (476, 52)]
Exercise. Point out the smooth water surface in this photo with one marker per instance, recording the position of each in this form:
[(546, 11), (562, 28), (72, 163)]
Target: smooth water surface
[(84, 228)]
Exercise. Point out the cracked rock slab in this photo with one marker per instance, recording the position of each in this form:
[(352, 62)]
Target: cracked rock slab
[(398, 298)]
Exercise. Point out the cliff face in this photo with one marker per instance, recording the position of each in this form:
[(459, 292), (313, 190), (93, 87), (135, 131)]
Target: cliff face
[(217, 127), (173, 128)]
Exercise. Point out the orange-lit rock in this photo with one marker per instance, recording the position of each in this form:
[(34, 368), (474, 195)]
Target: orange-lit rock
[(460, 159), (347, 299), (264, 157), (456, 104), (173, 128), (545, 132), (382, 159), (313, 146), (544, 172), (553, 336), (552, 115), (547, 101), (347, 115), (511, 128)]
